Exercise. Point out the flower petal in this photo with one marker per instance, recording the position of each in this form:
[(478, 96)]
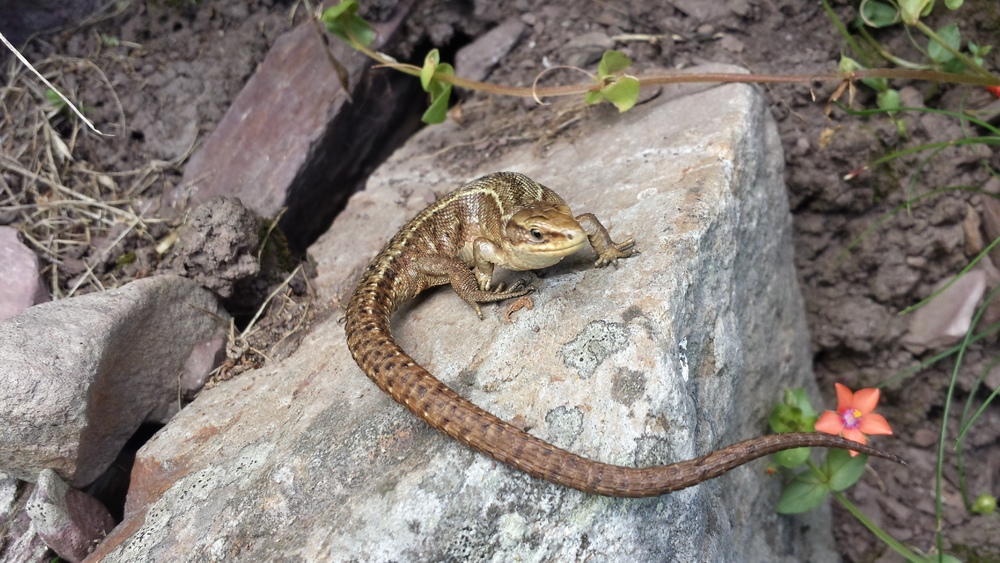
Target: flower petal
[(865, 400), (874, 424), (845, 398), (830, 423), (855, 435)]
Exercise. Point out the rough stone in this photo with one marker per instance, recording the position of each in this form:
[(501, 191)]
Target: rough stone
[(20, 541), (80, 375), (70, 522), (476, 60), (710, 11), (585, 49), (292, 135), (20, 285), (217, 246), (306, 459)]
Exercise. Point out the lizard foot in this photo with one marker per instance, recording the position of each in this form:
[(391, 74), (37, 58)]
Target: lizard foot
[(615, 251)]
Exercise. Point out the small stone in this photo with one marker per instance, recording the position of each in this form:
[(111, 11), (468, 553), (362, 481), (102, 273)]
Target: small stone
[(217, 246), (70, 522), (586, 49), (924, 438), (731, 44), (478, 59), (910, 97), (20, 537), (20, 285)]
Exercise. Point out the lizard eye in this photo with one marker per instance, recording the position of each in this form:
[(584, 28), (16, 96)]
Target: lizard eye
[(536, 235)]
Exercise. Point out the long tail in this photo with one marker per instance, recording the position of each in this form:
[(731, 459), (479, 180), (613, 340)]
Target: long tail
[(408, 383)]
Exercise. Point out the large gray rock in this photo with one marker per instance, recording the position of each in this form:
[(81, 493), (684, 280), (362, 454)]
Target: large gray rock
[(80, 375), (672, 353)]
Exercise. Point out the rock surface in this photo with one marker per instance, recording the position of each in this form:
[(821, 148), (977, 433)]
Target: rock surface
[(80, 375), (675, 352), (71, 522), (20, 285)]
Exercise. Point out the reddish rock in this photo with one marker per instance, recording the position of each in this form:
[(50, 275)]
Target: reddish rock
[(71, 522), (20, 285), (292, 136)]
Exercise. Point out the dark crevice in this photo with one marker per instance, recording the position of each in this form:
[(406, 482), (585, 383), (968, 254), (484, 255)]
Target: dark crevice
[(112, 486), (386, 112)]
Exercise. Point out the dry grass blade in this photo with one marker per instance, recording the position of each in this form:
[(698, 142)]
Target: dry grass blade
[(75, 215)]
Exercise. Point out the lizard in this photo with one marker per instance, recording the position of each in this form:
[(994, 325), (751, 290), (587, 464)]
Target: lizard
[(506, 219)]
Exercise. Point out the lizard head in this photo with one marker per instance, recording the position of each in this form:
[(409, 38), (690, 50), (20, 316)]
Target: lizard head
[(541, 234)]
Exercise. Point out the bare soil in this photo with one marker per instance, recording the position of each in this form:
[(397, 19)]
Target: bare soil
[(160, 76)]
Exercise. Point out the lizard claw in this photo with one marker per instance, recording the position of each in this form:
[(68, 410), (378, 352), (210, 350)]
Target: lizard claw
[(617, 250), (520, 285)]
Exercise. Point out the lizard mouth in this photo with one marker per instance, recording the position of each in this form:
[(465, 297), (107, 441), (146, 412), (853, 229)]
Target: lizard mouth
[(562, 250)]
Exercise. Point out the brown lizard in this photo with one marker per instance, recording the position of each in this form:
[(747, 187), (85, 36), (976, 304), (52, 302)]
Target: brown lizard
[(508, 220)]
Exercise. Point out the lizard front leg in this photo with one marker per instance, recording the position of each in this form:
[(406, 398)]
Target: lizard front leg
[(485, 254), (607, 250), (466, 283)]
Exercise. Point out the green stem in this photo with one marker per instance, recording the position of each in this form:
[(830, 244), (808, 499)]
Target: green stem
[(879, 532), (939, 470), (889, 56), (969, 63), (848, 38)]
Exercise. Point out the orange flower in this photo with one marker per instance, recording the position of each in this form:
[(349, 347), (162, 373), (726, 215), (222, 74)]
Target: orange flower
[(854, 418)]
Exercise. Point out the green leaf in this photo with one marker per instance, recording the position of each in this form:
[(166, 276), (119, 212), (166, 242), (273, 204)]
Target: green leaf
[(794, 414), (613, 62), (878, 14), (951, 37), (842, 470), (888, 99), (438, 110), (591, 98), (343, 21), (53, 97), (440, 94), (792, 458), (784, 418), (800, 399), (912, 10), (431, 62), (953, 4), (345, 8), (804, 493), (847, 64), (623, 92)]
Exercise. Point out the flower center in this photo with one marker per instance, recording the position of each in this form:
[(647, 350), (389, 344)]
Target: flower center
[(851, 417)]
